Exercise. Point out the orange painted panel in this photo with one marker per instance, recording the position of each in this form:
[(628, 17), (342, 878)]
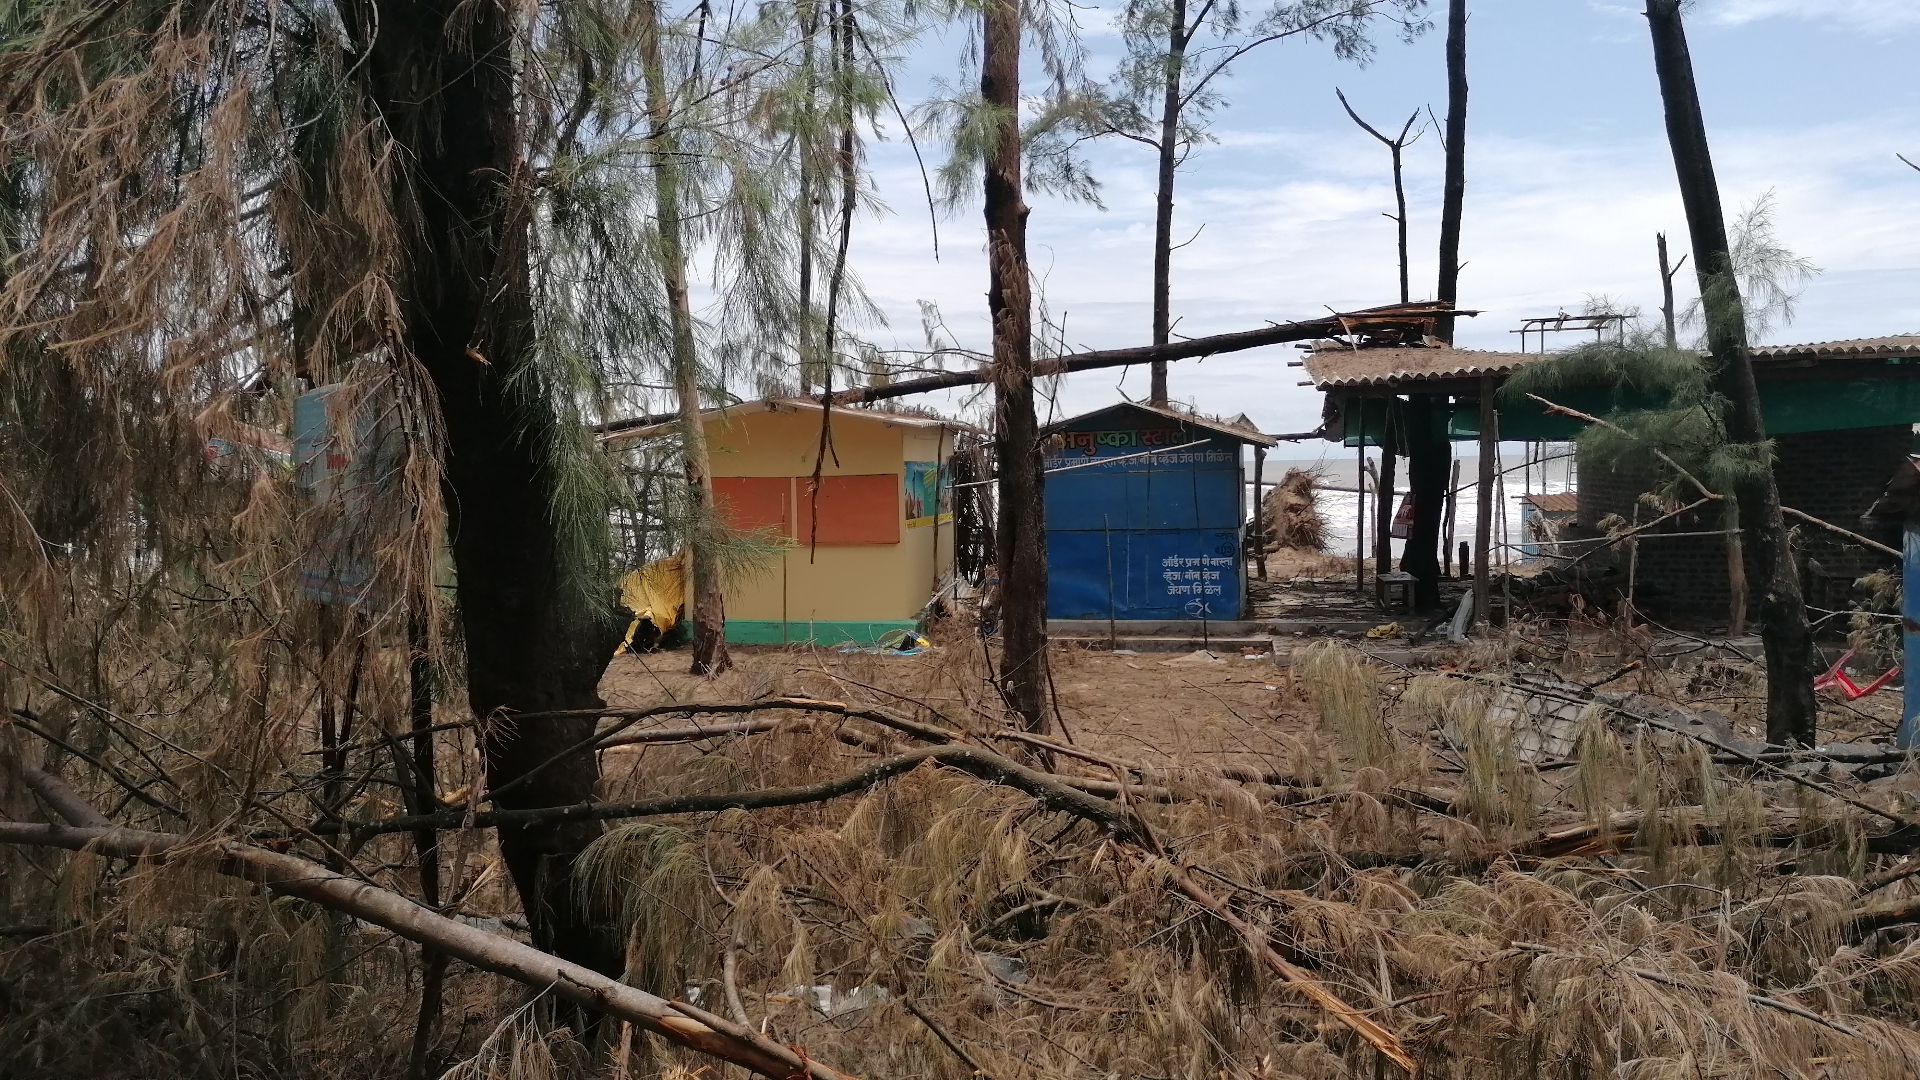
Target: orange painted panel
[(853, 509), (750, 503)]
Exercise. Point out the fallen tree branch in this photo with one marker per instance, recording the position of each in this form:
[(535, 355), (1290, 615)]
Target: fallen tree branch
[(689, 733), (62, 799), (985, 764), (1554, 409), (947, 1040), (1832, 528), (1741, 756), (1276, 334), (1621, 537), (1256, 941), (1762, 1000), (1860, 922), (290, 875)]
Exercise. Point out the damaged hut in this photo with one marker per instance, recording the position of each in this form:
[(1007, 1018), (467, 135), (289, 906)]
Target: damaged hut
[(1840, 415), (863, 554), (1145, 515)]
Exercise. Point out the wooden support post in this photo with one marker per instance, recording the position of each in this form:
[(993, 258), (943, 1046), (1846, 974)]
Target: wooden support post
[(1453, 506), (1360, 510), (1383, 495), (1910, 610), (1260, 510), (1483, 503)]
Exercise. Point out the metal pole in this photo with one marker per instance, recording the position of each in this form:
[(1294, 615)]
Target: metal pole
[(1113, 635)]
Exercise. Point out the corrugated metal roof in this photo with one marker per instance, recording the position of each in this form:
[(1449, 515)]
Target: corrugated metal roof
[(709, 416), (1239, 428), (1381, 367), (1863, 348), (1559, 502), (1338, 367)]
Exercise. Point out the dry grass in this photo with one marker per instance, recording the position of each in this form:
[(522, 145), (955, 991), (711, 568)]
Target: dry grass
[(1034, 942)]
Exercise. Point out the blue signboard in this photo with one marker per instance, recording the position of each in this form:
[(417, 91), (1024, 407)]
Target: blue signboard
[(1144, 519)]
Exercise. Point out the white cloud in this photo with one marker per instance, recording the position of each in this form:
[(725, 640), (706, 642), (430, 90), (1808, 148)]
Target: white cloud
[(1293, 225), (1872, 15)]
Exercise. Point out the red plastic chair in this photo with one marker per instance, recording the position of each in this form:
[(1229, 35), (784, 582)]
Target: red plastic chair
[(1836, 677)]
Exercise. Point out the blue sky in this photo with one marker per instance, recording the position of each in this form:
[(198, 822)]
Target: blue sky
[(1568, 180)]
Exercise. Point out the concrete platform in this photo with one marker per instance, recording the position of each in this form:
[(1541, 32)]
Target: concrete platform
[(1179, 628), (1166, 643)]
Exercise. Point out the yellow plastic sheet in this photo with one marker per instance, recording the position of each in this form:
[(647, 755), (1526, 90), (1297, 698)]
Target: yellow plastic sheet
[(657, 592)]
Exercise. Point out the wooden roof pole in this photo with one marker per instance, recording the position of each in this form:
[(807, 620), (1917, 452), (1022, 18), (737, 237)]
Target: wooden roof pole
[(1483, 503)]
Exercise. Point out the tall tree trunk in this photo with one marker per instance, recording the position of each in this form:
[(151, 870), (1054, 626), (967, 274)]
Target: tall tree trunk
[(1023, 553), (1429, 456), (843, 29), (415, 772), (1177, 36), (1400, 219), (1788, 642), (440, 75), (708, 614), (1453, 192), (809, 357)]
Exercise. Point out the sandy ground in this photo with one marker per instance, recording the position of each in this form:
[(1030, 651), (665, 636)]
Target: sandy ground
[(1150, 707)]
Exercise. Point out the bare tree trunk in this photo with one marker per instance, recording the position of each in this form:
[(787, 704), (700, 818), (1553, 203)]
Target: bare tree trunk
[(1428, 456), (1788, 641), (440, 75), (1022, 554), (1400, 218), (1394, 146), (708, 606), (1453, 192), (1666, 291), (417, 780), (1177, 36)]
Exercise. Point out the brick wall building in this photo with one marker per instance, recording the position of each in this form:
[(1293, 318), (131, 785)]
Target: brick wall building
[(1832, 475)]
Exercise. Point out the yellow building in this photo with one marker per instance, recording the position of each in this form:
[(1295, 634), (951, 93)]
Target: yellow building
[(883, 542)]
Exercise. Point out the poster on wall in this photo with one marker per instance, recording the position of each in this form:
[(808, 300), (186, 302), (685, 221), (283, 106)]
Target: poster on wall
[(345, 469), (929, 494)]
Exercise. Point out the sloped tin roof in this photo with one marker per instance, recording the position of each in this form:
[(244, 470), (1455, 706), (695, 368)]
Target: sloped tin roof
[(1231, 429), (1332, 368), (1337, 367), (749, 408)]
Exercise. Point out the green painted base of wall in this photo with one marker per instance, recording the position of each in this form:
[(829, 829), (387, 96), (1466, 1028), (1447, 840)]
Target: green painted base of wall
[(773, 632)]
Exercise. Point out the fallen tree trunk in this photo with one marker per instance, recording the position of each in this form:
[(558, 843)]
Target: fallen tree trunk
[(1193, 348), (985, 764), (290, 875)]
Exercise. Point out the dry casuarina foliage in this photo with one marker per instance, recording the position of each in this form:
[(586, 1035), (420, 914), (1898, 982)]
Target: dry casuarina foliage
[(1632, 903), (1292, 518)]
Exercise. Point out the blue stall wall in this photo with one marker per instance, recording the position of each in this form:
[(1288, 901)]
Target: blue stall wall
[(1148, 537)]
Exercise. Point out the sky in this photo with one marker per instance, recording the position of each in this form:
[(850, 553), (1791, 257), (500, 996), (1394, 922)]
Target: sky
[(1568, 179)]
